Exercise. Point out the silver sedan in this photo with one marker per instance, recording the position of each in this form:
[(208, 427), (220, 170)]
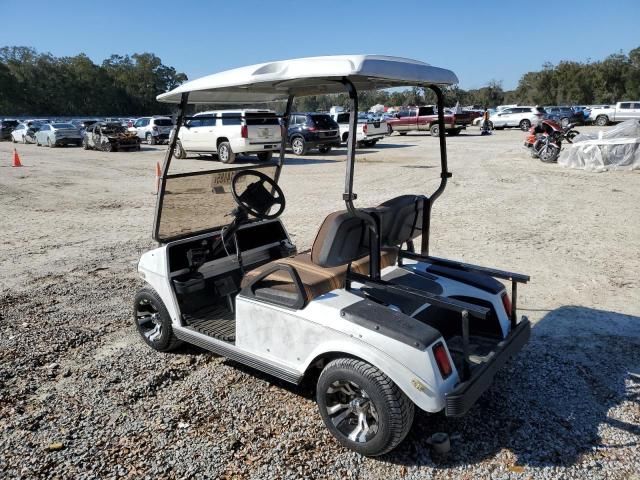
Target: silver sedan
[(56, 134)]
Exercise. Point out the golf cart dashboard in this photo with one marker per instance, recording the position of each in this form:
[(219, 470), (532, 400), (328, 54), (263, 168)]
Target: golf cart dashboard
[(255, 240)]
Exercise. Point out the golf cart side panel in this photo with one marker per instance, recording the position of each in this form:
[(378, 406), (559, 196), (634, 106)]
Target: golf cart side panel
[(298, 338), (154, 270)]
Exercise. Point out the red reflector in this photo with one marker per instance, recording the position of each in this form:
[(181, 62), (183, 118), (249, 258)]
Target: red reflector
[(364, 128), (442, 359), (243, 131), (506, 302)]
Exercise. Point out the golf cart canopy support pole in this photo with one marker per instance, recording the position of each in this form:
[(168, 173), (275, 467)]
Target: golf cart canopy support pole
[(184, 100), (444, 173), (349, 196), (285, 134)]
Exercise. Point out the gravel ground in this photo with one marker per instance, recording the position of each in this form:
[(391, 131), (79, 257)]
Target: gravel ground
[(81, 396)]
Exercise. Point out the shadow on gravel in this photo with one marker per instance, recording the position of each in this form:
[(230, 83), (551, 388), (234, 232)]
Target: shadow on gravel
[(547, 404)]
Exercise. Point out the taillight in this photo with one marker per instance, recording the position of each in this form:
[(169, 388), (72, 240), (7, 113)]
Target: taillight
[(442, 359), (244, 132), (506, 302), (311, 128), (364, 128)]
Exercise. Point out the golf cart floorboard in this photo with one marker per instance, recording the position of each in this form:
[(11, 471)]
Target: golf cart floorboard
[(217, 322)]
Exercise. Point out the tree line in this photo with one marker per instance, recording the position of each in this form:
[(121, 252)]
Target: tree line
[(33, 83), (40, 84)]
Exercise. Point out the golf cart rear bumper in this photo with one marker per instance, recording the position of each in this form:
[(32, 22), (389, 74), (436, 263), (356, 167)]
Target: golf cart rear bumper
[(462, 398)]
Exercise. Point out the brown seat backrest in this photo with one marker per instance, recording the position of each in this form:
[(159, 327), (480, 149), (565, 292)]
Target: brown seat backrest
[(344, 238)]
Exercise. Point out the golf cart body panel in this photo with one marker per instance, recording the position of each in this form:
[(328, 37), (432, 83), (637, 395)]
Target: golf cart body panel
[(437, 329)]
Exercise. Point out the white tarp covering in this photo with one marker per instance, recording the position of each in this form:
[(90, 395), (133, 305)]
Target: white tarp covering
[(615, 149)]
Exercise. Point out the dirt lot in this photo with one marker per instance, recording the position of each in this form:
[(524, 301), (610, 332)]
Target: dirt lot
[(82, 397)]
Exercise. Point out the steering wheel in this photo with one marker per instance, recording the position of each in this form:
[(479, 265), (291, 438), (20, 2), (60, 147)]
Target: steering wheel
[(257, 199)]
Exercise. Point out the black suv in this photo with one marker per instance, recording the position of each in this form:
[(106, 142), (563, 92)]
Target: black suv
[(6, 127), (312, 130)]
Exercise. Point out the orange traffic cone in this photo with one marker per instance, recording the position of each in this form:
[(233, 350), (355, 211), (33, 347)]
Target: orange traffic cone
[(16, 159), (158, 175)]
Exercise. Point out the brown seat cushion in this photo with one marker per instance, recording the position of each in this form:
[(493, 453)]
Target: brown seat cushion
[(316, 280)]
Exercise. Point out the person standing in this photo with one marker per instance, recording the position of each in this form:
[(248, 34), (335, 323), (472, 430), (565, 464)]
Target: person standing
[(485, 122)]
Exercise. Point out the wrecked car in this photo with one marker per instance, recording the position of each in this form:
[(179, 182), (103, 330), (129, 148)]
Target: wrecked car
[(109, 137)]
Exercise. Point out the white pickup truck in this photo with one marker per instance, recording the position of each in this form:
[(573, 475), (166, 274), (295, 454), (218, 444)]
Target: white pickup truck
[(368, 131), (620, 112)]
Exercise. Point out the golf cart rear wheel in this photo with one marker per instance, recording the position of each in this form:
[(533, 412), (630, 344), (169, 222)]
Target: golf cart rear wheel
[(362, 407), (153, 321)]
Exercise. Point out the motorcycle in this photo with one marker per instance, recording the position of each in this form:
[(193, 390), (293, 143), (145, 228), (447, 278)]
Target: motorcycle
[(545, 139)]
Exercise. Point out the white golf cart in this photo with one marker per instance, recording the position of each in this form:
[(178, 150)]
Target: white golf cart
[(383, 328)]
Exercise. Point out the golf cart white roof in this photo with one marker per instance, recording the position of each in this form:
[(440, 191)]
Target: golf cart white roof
[(273, 81)]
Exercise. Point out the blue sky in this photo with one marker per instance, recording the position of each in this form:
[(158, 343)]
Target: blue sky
[(479, 40)]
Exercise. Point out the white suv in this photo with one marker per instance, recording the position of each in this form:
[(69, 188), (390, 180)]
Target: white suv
[(153, 129), (521, 117), (229, 133)]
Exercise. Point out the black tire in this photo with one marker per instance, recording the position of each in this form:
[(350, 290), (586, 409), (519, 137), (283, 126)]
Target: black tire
[(389, 129), (549, 154), (402, 133), (151, 140), (156, 331), (298, 146), (265, 156), (377, 398), (435, 130), (454, 131), (326, 149), (602, 120), (225, 154), (345, 136), (525, 125), (178, 152)]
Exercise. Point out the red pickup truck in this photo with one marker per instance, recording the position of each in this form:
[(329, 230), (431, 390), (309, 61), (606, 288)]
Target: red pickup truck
[(426, 119)]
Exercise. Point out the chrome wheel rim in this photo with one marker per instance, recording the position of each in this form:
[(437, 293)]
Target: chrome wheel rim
[(351, 411), (297, 146), (223, 154), (149, 321), (525, 126)]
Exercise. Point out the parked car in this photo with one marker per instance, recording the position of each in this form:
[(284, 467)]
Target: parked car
[(153, 130), (312, 130), (368, 132), (25, 132), (521, 117), (6, 127), (57, 134), (563, 115), (229, 133), (426, 119), (620, 112), (109, 137)]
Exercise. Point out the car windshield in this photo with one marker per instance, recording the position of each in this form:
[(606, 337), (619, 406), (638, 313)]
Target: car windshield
[(323, 121), (163, 122), (261, 118), (62, 125)]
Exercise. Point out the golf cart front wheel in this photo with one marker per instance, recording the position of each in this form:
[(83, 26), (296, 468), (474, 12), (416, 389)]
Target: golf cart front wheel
[(153, 321), (362, 407)]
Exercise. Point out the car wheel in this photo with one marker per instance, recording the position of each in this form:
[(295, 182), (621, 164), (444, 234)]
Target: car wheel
[(389, 129), (362, 408), (265, 156), (85, 144), (602, 120), (178, 151), (345, 137), (402, 133), (225, 154), (324, 149), (151, 140), (453, 132), (525, 125), (152, 321), (107, 147), (298, 146), (435, 130)]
